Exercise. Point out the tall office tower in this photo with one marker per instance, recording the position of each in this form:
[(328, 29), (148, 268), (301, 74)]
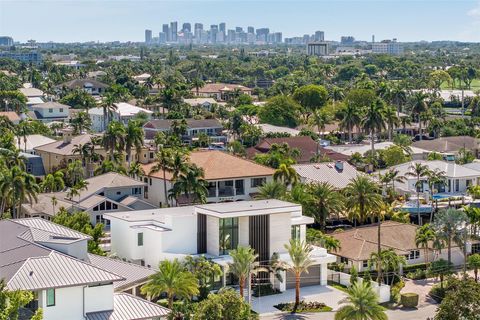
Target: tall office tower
[(238, 29), (148, 36), (222, 27), (278, 37), (306, 38), (213, 33), (250, 30), (166, 30), (262, 34), (162, 37), (197, 31), (319, 36), (174, 31), (231, 36), (373, 38), (186, 27)]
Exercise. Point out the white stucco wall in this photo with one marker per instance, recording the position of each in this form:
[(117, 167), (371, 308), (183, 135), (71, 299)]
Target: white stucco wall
[(213, 235), (99, 298), (280, 231)]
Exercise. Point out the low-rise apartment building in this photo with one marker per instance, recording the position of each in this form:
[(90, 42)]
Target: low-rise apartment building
[(149, 236)]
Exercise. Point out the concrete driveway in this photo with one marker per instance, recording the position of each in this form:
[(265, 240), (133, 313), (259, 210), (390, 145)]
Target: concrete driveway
[(422, 288), (326, 294)]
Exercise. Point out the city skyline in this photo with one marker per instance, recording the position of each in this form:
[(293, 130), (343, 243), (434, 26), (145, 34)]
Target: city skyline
[(104, 21)]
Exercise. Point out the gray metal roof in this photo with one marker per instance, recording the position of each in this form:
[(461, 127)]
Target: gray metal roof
[(57, 270), (133, 274), (327, 172), (128, 307), (44, 230)]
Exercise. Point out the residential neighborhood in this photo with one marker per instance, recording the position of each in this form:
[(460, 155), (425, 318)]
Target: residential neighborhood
[(230, 172)]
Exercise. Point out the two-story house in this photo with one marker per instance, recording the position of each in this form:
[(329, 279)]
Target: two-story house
[(123, 112), (210, 127), (149, 236), (49, 112), (108, 192), (229, 178), (52, 261), (90, 86)]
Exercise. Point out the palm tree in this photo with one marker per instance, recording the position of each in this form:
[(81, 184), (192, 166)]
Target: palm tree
[(423, 237), (362, 304), (449, 225), (173, 279), (351, 117), (133, 139), (374, 120), (108, 106), (114, 138), (362, 197), (23, 188), (385, 260), (53, 182), (163, 162), (286, 174), (243, 264), (434, 177), (54, 204), (392, 120), (300, 253), (83, 150), (320, 118), (325, 200), (81, 122), (23, 129), (474, 262), (191, 184), (73, 173), (441, 268), (271, 190), (419, 106), (135, 170), (419, 171)]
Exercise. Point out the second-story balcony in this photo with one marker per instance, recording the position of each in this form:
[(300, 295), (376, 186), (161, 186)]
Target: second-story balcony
[(225, 189)]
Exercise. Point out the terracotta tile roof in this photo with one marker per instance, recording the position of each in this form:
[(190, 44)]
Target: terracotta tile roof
[(219, 165), (357, 244), (448, 144), (10, 115)]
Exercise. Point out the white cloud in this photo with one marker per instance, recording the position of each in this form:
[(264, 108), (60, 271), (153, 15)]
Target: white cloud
[(475, 12)]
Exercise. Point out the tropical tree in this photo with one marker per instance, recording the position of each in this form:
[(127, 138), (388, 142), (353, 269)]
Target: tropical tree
[(424, 236), (300, 256), (392, 120), (362, 197), (419, 106), (435, 178), (163, 162), (441, 268), (53, 182), (286, 174), (133, 139), (474, 263), (227, 304), (173, 279), (374, 120), (81, 122), (271, 190), (419, 171), (317, 237), (192, 184), (450, 226), (205, 271), (135, 170), (243, 264), (325, 201), (362, 304), (114, 138), (350, 118), (23, 188), (12, 302)]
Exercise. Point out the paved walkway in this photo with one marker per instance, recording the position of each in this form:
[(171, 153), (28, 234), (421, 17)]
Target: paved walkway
[(326, 294), (422, 288)]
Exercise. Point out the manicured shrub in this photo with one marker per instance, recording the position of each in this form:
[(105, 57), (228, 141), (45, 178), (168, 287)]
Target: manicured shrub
[(409, 300)]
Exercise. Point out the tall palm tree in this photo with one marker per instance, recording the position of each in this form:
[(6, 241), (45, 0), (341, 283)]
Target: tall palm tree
[(24, 188), (108, 106), (362, 304), (386, 260), (135, 170), (53, 182), (133, 139), (374, 120), (419, 106), (362, 197), (418, 171), (191, 184), (325, 201), (163, 162), (320, 118), (351, 118), (114, 138), (300, 256), (54, 201), (434, 178), (449, 225), (243, 264), (474, 263), (392, 120), (173, 279), (286, 174), (423, 238), (83, 150), (271, 190)]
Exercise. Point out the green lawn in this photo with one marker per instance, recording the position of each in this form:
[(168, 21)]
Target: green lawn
[(475, 85)]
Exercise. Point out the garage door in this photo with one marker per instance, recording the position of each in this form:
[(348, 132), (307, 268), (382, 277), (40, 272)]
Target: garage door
[(312, 278)]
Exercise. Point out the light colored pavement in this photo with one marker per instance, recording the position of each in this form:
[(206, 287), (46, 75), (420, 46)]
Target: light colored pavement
[(422, 288), (422, 313), (326, 294)]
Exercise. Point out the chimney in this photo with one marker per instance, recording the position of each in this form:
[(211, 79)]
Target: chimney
[(339, 165), (67, 135)]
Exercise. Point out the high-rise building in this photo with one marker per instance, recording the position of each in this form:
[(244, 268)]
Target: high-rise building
[(250, 29), (197, 32), (213, 33), (238, 29), (174, 31), (162, 37), (222, 27), (166, 30), (278, 37), (6, 41), (347, 40), (186, 27), (148, 36), (319, 36)]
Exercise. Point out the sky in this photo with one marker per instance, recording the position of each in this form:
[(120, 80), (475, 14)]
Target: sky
[(126, 20)]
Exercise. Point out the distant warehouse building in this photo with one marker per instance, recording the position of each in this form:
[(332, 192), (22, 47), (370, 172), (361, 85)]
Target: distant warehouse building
[(391, 47), (317, 49)]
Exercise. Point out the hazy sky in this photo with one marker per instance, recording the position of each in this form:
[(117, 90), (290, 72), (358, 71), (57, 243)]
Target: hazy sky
[(124, 20)]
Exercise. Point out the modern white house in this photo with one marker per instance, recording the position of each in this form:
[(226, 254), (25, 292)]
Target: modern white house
[(49, 111), (150, 236), (123, 112), (229, 178), (457, 177), (67, 282)]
